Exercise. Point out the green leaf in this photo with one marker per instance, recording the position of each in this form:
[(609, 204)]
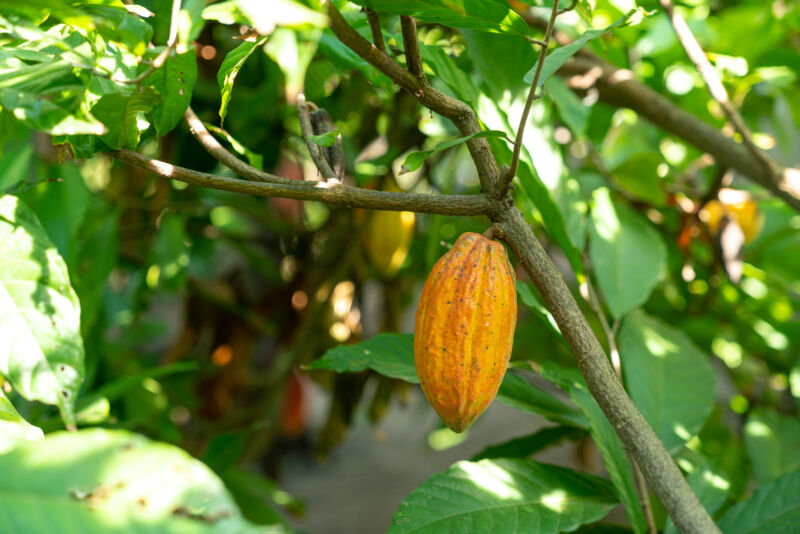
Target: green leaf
[(13, 427), (325, 139), (95, 481), (120, 114), (639, 176), (527, 446), (265, 16), (560, 55), (773, 444), (606, 439), (627, 254), (530, 299), (484, 15), (253, 158), (668, 377), (230, 67), (415, 159), (450, 73), (504, 495), (773, 508), (518, 393), (570, 108), (388, 354), (175, 83), (42, 350)]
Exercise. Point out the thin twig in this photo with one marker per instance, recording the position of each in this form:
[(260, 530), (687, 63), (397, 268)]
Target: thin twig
[(213, 147), (714, 84), (314, 149), (375, 28), (334, 193), (411, 47), (570, 7), (506, 179), (162, 57)]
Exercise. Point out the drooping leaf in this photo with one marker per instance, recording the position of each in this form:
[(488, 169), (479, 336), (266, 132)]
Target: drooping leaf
[(773, 508), (415, 159), (388, 354), (41, 352), (560, 55), (518, 393), (484, 15), (13, 427), (93, 481), (773, 444), (527, 446), (570, 108), (230, 67), (504, 495), (627, 254), (668, 377), (606, 439)]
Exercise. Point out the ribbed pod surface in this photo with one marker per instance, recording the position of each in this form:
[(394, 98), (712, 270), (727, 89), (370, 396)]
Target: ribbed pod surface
[(465, 329)]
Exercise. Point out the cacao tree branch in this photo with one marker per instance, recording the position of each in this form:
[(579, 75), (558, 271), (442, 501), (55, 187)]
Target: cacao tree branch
[(375, 28), (658, 467), (411, 47), (459, 113), (619, 87), (315, 150), (332, 193)]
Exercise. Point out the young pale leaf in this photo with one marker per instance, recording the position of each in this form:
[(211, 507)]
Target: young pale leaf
[(13, 427), (484, 15), (618, 236), (614, 457), (511, 496), (518, 393), (41, 352), (230, 67), (560, 55), (773, 444), (325, 139), (88, 481), (388, 354), (668, 377), (415, 159), (527, 446), (175, 83), (773, 508)]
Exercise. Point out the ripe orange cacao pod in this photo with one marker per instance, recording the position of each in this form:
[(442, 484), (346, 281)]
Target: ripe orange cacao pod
[(465, 329)]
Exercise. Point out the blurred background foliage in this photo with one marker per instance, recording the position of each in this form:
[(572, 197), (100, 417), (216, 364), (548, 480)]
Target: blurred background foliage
[(199, 308)]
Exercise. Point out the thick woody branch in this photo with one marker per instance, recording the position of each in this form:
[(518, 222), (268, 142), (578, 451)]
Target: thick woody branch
[(618, 87), (659, 469), (457, 111), (331, 193), (375, 28)]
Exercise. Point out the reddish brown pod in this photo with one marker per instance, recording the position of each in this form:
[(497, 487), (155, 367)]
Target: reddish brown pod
[(465, 329)]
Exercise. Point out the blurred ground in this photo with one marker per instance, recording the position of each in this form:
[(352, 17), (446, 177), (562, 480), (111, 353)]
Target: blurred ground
[(358, 488)]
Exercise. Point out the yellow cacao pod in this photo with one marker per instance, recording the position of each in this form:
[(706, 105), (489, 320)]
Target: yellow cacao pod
[(736, 206), (388, 237), (465, 329)]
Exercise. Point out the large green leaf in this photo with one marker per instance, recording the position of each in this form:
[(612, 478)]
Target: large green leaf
[(230, 67), (668, 377), (709, 487), (484, 15), (100, 481), (41, 350), (773, 444), (388, 354), (121, 115), (518, 393), (505, 495), (773, 508), (175, 83), (628, 256), (614, 457), (13, 427)]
